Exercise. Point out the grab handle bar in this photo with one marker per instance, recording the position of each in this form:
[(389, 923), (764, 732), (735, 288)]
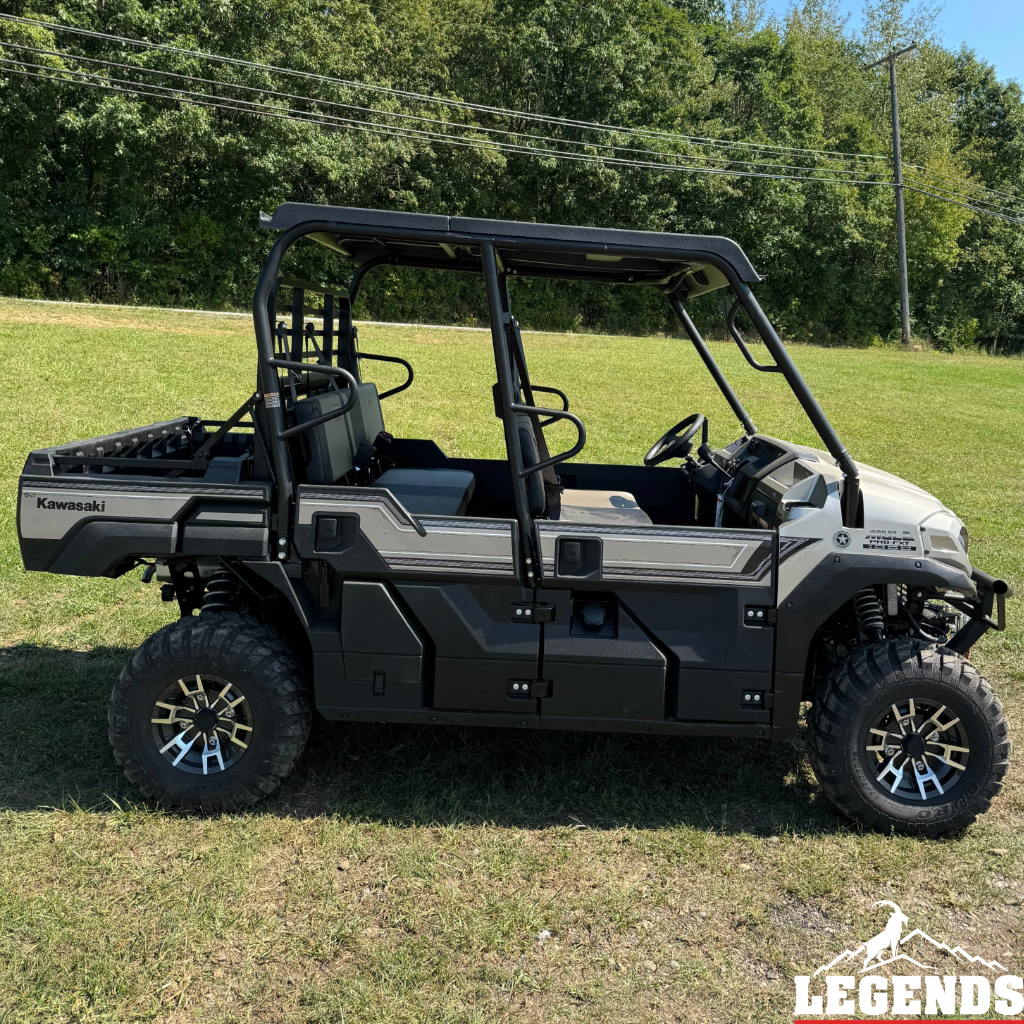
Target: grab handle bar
[(330, 371), (551, 391), (391, 359), (730, 321), (554, 414)]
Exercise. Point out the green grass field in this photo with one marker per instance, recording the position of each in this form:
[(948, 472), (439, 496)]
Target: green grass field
[(449, 875)]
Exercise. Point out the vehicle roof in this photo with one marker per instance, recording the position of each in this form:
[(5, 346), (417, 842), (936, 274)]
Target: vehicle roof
[(693, 263)]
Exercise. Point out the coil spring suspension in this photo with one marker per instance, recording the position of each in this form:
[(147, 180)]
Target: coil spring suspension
[(221, 592), (870, 618)]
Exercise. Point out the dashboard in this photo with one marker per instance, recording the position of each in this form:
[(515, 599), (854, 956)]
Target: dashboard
[(744, 484)]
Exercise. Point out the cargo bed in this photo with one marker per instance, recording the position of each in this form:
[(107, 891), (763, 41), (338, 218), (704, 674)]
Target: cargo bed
[(180, 487)]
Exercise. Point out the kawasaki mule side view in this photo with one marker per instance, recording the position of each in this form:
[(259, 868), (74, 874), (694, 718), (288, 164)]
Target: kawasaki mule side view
[(321, 563)]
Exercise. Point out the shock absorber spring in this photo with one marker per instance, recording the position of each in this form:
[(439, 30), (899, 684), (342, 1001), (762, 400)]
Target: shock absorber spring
[(870, 617), (221, 592)]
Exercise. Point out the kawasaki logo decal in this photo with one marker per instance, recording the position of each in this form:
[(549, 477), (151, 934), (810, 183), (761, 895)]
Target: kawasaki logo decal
[(71, 506)]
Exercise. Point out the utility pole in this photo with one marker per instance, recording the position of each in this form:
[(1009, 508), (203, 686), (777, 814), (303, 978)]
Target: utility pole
[(897, 162)]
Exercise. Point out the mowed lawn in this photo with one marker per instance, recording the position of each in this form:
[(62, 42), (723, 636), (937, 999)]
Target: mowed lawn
[(450, 875)]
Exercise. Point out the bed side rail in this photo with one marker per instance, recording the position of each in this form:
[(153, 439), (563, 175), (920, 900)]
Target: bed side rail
[(163, 441)]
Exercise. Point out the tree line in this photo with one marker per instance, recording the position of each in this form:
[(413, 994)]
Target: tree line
[(114, 197)]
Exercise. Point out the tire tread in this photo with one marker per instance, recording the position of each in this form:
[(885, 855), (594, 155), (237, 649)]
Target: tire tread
[(860, 675), (252, 647)]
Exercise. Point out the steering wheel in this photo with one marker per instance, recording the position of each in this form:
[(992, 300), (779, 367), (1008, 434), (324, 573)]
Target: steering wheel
[(676, 443)]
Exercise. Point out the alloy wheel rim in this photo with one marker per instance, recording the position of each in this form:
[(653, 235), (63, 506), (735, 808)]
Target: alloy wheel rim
[(202, 724), (918, 749)]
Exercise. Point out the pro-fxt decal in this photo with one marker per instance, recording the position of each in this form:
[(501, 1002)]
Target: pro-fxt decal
[(890, 540)]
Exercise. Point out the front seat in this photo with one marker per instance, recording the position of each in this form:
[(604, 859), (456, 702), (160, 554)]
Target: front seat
[(611, 508), (607, 508)]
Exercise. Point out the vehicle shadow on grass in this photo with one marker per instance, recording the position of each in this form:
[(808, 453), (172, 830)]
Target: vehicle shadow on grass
[(54, 704)]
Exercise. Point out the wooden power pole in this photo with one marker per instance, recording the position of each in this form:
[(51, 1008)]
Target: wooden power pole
[(897, 162)]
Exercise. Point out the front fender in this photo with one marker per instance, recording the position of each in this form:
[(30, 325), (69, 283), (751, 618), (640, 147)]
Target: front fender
[(834, 581), (821, 593)]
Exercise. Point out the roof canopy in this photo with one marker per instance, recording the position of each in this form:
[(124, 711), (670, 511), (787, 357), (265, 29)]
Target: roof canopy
[(694, 264)]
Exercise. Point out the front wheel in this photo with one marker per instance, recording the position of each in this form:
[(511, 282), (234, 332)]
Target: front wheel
[(907, 736), (210, 713)]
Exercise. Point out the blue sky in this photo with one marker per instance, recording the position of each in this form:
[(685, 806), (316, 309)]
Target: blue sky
[(994, 29)]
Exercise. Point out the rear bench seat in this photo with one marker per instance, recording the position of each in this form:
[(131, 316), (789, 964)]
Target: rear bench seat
[(332, 447)]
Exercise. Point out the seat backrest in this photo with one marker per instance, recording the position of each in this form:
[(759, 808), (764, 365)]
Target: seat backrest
[(528, 445), (367, 420), (332, 445)]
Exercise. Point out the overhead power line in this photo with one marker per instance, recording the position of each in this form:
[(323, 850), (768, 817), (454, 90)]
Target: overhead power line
[(962, 194), (967, 183), (966, 205), (477, 136), (306, 117), (42, 71), (660, 154), (440, 100), (651, 134), (427, 98)]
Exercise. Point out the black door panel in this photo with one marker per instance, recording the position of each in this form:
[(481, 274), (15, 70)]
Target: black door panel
[(705, 626), (480, 647), (702, 598), (704, 695), (598, 661)]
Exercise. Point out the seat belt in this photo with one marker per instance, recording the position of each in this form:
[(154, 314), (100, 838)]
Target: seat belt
[(552, 485)]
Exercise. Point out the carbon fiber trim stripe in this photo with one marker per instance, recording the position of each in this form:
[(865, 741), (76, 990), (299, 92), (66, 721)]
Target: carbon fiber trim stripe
[(754, 574), (661, 532), (414, 564), (113, 482), (791, 545), (759, 575), (466, 524), (363, 495)]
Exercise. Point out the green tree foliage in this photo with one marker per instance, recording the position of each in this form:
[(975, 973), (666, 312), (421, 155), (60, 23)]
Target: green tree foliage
[(120, 198)]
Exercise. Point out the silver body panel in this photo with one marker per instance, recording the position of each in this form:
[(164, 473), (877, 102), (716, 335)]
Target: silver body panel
[(49, 513), (441, 544), (669, 554)]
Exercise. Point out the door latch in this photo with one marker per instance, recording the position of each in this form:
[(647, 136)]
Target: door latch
[(533, 612), (759, 615), (533, 689)]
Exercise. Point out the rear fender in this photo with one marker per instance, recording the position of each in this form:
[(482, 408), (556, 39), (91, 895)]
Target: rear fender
[(97, 527)]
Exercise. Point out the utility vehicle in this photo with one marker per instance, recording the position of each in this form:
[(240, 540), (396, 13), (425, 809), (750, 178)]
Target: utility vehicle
[(320, 563)]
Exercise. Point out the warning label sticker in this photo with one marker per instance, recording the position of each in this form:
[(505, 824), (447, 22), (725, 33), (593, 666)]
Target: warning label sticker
[(273, 399)]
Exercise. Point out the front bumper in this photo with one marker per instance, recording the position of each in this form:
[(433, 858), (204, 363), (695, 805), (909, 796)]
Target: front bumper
[(991, 598)]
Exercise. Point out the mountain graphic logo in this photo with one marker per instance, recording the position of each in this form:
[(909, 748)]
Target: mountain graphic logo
[(890, 945)]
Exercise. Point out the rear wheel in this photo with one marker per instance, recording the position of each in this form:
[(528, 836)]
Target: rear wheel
[(210, 713), (908, 736)]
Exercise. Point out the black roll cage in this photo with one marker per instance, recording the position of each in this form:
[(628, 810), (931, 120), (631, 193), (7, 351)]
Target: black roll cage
[(490, 247)]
